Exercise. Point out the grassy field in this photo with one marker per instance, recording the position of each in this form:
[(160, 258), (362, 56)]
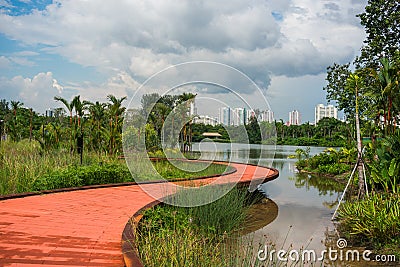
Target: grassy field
[(26, 167)]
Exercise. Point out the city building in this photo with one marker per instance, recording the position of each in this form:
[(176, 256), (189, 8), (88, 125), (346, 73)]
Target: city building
[(239, 116), (225, 116), (250, 114), (193, 108), (294, 118), (322, 111), (205, 119), (268, 116)]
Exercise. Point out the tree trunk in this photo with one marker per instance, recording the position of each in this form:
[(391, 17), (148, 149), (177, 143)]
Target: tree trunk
[(361, 182)]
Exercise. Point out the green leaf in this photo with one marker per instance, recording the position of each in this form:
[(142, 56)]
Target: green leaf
[(392, 167)]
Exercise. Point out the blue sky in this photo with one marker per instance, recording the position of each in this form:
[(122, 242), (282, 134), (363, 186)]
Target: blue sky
[(95, 48)]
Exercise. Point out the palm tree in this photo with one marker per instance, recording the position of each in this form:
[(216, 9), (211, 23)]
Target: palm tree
[(354, 84), (79, 107), (388, 77), (186, 99), (115, 109), (15, 106), (97, 114), (70, 107)]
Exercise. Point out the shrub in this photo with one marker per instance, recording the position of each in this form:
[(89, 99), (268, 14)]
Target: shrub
[(375, 220), (83, 175)]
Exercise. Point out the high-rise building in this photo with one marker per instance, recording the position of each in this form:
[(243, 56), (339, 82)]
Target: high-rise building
[(239, 116), (268, 116), (322, 111), (193, 108), (225, 116), (294, 118), (250, 114), (205, 119)]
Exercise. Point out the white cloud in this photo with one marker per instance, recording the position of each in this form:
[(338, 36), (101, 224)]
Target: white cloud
[(5, 3), (57, 86), (36, 92), (23, 61), (144, 37), (4, 62), (128, 41)]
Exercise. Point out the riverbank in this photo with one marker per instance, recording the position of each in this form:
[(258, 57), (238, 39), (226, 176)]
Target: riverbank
[(210, 234), (372, 221)]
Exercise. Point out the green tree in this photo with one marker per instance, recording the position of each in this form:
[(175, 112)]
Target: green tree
[(97, 115), (69, 106), (354, 84), (115, 110), (381, 20), (253, 131)]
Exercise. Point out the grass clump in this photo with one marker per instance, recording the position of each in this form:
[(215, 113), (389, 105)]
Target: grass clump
[(183, 170), (372, 222), (75, 176), (21, 163), (25, 167), (196, 236)]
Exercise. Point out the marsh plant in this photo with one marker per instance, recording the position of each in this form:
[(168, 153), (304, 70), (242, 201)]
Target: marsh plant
[(22, 163), (374, 221), (207, 235), (25, 167)]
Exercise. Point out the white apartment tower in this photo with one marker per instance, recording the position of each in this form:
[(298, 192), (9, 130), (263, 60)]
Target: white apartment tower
[(268, 116), (322, 111), (294, 118), (205, 119), (239, 116), (225, 116), (193, 108)]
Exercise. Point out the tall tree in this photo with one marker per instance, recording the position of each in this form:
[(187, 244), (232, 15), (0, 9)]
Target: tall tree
[(70, 107), (381, 20), (354, 84), (15, 131), (116, 110)]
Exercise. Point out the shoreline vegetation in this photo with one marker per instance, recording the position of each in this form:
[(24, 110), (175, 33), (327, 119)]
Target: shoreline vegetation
[(208, 235), (26, 167), (373, 221)]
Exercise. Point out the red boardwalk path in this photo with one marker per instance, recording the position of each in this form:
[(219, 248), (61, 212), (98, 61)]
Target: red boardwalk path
[(81, 228)]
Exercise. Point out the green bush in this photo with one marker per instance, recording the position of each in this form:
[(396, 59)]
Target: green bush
[(374, 220), (196, 236), (334, 169), (75, 176)]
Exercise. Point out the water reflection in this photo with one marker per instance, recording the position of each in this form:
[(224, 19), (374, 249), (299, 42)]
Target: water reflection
[(305, 203), (259, 215)]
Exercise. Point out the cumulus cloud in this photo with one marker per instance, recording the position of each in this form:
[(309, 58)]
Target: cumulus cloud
[(4, 62), (145, 37), (36, 92), (128, 41)]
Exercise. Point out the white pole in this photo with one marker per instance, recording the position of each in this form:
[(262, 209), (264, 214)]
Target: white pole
[(344, 192)]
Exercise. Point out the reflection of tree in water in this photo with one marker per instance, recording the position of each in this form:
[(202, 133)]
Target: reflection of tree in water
[(278, 164), (324, 185)]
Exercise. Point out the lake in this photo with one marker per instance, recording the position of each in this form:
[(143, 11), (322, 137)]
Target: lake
[(305, 203)]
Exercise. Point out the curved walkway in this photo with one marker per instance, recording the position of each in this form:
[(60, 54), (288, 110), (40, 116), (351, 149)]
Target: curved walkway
[(83, 228)]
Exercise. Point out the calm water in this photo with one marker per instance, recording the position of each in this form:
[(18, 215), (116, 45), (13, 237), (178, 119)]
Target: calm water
[(299, 213), (305, 203)]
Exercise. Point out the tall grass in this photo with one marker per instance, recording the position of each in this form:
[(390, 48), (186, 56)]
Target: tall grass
[(194, 236), (26, 167), (23, 162), (205, 235), (374, 221)]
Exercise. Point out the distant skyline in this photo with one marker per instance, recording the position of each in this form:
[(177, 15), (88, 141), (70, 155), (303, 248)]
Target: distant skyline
[(95, 48)]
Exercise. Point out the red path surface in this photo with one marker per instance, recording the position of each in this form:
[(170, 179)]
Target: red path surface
[(82, 228)]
